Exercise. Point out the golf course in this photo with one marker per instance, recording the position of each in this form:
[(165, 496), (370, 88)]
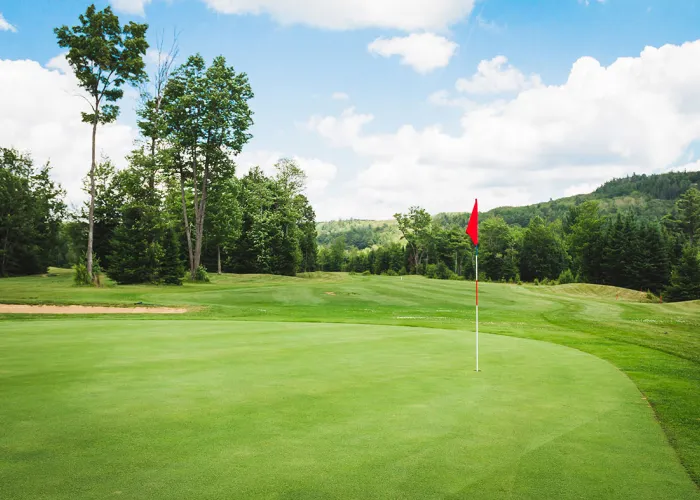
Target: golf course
[(332, 385)]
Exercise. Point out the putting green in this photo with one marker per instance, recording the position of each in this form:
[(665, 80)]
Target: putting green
[(105, 408)]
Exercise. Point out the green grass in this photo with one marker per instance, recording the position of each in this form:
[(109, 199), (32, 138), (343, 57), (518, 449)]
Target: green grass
[(262, 392)]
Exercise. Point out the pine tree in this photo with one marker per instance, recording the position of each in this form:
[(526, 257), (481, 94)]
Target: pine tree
[(171, 269), (685, 279)]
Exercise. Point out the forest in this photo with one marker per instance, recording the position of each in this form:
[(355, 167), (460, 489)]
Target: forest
[(179, 211)]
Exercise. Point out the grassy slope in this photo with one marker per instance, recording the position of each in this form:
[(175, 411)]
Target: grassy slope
[(656, 345), (166, 409)]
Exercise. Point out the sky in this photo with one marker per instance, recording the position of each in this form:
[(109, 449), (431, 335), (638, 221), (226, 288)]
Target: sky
[(391, 103)]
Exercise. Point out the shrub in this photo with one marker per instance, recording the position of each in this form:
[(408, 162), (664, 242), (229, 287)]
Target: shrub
[(81, 276), (366, 273), (566, 277), (402, 271), (536, 282), (439, 271), (201, 274), (391, 272), (545, 282)]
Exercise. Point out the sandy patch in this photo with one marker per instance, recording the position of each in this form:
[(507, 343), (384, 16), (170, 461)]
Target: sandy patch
[(31, 309)]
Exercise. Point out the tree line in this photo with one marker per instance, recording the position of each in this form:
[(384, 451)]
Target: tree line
[(178, 201), (625, 250)]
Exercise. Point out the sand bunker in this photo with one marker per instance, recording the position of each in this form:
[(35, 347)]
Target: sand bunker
[(30, 309)]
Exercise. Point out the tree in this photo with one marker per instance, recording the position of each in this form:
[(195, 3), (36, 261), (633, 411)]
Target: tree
[(104, 56), (497, 248), (583, 228), (207, 118), (337, 254), (171, 270), (31, 209), (685, 279), (689, 214), (415, 227), (307, 237), (542, 255)]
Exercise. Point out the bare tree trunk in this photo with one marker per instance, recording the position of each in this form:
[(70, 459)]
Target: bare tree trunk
[(218, 257), (187, 223), (91, 214)]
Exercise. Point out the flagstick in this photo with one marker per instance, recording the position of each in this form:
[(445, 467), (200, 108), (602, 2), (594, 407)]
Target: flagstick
[(477, 307)]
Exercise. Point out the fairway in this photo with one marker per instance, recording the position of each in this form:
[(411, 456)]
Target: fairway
[(125, 408)]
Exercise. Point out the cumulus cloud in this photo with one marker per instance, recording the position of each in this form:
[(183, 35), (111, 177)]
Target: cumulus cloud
[(6, 26), (496, 76), (340, 96), (135, 7), (40, 114), (424, 52), (405, 15), (319, 173), (640, 114)]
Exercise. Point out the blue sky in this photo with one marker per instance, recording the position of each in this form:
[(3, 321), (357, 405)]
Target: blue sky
[(417, 149)]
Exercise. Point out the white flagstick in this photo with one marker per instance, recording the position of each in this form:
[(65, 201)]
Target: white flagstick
[(477, 307)]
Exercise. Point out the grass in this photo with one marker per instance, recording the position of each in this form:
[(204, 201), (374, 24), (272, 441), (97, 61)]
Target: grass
[(289, 402)]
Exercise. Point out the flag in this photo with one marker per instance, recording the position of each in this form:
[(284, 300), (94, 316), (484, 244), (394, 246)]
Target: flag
[(473, 226)]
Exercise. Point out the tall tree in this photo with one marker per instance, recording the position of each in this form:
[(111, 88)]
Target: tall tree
[(416, 229), (583, 227), (104, 56), (207, 117)]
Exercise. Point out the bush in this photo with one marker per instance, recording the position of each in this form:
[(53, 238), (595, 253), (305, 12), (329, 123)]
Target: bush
[(566, 277), (81, 276), (391, 272), (439, 271), (536, 282), (402, 271), (545, 282), (366, 273), (201, 274)]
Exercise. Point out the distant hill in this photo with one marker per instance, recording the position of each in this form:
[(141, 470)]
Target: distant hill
[(649, 196)]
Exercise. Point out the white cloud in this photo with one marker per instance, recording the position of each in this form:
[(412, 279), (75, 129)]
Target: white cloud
[(135, 7), (406, 15), (319, 173), (495, 77), (340, 96), (424, 52), (40, 114), (442, 98), (640, 114), (6, 26)]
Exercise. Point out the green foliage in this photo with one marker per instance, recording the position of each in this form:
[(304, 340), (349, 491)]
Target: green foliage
[(416, 230), (439, 271), (201, 275), (542, 255), (81, 277), (566, 277), (207, 118), (31, 209), (104, 56), (685, 279), (171, 269)]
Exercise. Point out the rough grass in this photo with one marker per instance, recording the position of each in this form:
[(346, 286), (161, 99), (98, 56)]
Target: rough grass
[(656, 345)]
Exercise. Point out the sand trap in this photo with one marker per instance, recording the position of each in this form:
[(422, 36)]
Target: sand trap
[(30, 309)]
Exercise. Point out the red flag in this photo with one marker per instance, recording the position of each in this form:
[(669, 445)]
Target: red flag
[(473, 226)]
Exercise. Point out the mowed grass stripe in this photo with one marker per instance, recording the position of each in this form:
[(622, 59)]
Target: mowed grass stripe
[(222, 409)]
